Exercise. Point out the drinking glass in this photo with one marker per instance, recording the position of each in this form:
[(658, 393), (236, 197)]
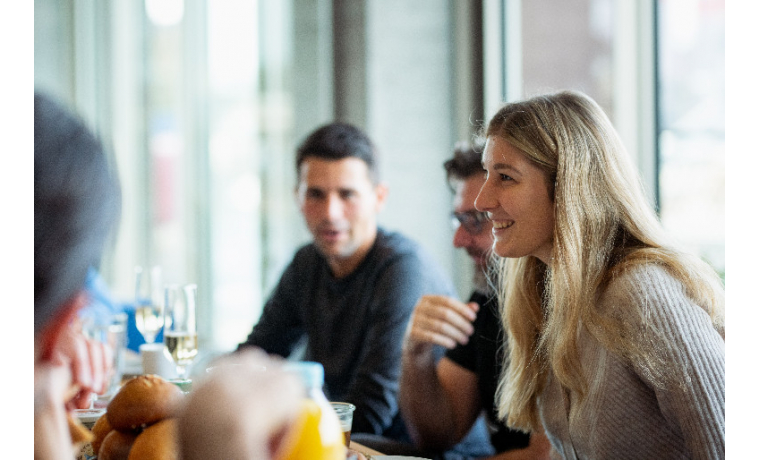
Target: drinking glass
[(149, 315), (111, 330), (180, 334)]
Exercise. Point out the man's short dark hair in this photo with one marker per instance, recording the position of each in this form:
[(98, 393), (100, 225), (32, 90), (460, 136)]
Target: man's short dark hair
[(466, 161), (336, 141), (76, 204)]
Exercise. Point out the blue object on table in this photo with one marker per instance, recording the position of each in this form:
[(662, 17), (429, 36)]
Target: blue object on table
[(101, 307), (135, 336)]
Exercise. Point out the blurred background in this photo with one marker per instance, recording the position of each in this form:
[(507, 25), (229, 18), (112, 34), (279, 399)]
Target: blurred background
[(202, 103)]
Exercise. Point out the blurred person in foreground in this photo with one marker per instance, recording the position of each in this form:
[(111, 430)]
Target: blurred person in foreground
[(76, 204), (351, 291), (616, 338), (441, 399)]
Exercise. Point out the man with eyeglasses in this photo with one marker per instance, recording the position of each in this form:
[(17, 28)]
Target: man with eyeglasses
[(441, 399)]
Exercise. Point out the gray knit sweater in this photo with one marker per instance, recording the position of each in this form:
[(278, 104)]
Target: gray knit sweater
[(625, 415)]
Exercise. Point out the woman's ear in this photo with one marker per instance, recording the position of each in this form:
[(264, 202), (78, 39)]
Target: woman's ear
[(48, 337)]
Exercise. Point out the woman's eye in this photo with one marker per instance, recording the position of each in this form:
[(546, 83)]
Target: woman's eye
[(504, 177)]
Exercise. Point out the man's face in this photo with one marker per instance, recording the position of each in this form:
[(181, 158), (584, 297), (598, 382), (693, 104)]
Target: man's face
[(340, 205), (476, 243)]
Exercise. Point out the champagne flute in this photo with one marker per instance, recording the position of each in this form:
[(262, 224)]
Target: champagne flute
[(180, 334), (149, 315)]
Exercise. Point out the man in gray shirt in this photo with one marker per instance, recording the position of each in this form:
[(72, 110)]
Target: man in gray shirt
[(351, 291)]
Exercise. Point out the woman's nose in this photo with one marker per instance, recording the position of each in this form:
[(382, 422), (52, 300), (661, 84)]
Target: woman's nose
[(484, 201)]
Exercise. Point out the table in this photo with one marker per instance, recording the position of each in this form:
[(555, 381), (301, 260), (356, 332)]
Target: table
[(363, 449)]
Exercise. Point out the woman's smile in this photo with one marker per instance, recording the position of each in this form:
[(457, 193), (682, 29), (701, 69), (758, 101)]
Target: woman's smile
[(499, 225)]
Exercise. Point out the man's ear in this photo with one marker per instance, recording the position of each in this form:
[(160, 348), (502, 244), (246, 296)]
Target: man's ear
[(381, 192), (51, 333)]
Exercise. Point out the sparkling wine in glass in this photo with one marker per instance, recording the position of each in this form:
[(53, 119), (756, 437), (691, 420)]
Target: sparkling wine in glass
[(180, 334), (149, 315)]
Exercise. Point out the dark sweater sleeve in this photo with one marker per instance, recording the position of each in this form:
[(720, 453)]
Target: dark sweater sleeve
[(281, 325), (397, 288)]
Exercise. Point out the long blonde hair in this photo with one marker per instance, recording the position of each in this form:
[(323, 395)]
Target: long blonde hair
[(603, 224)]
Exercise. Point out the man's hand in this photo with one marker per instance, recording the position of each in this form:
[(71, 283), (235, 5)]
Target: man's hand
[(51, 431), (242, 409), (89, 362), (65, 377), (439, 399), (440, 320)]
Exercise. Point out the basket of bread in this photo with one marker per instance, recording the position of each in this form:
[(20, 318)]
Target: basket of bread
[(139, 423)]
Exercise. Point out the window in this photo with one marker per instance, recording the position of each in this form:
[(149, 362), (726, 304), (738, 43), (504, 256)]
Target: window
[(219, 133), (656, 68), (196, 100), (691, 134), (569, 44)]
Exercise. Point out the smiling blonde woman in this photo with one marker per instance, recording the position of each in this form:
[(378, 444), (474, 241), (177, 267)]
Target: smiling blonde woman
[(616, 340)]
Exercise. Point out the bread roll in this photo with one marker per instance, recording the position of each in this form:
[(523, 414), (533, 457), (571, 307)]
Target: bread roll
[(116, 445), (157, 442), (99, 432), (142, 401)]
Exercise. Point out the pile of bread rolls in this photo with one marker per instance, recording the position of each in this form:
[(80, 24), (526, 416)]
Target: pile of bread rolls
[(139, 422)]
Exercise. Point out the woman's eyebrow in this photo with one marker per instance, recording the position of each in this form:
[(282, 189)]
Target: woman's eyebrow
[(507, 166)]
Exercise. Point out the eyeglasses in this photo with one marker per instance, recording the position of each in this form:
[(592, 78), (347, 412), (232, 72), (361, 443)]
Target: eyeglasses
[(472, 221)]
